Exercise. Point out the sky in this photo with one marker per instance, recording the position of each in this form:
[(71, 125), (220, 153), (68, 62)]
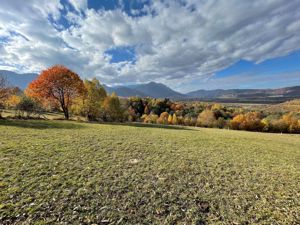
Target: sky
[(185, 44)]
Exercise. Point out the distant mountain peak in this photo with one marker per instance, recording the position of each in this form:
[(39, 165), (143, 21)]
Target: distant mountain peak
[(158, 90)]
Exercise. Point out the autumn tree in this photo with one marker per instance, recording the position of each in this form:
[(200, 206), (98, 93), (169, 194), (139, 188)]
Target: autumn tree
[(137, 104), (170, 119), (206, 119), (174, 119), (186, 121), (131, 114), (151, 118), (58, 84), (251, 121), (13, 101), (112, 107), (90, 104), (6, 91), (146, 110), (159, 106), (163, 118)]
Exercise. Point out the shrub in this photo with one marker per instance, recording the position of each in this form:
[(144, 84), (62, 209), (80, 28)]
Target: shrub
[(206, 119), (250, 121), (163, 118), (13, 101), (220, 123), (187, 121), (174, 120), (28, 106), (280, 126), (151, 118), (170, 119)]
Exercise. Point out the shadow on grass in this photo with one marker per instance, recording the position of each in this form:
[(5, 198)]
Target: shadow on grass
[(61, 124), (147, 125), (40, 124)]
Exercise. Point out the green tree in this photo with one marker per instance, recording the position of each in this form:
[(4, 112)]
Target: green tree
[(28, 106)]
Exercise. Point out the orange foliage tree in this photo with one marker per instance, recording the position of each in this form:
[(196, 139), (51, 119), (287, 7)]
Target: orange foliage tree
[(58, 84), (250, 121), (13, 101)]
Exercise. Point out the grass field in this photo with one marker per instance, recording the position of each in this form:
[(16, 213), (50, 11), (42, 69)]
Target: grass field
[(79, 173)]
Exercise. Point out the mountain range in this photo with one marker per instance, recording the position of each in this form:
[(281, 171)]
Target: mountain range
[(18, 80), (151, 89), (158, 90)]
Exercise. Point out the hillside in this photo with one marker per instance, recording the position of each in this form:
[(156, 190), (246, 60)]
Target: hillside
[(158, 90), (18, 80), (289, 106), (130, 174), (247, 93), (151, 89), (123, 91)]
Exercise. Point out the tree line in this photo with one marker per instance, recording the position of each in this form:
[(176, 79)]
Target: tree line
[(60, 89)]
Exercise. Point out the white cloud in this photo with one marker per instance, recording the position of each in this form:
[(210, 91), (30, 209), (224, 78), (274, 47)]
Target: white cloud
[(174, 42), (79, 5)]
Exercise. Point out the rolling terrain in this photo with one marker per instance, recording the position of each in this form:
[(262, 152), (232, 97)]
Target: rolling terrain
[(18, 80), (158, 90), (80, 173), (151, 89)]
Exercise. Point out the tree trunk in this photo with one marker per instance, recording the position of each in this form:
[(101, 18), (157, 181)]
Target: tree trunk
[(66, 112), (64, 108)]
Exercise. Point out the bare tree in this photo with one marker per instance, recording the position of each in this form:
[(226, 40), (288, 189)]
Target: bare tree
[(4, 89)]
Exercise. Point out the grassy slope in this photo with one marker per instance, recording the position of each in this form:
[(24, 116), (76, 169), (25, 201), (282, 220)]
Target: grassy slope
[(91, 173)]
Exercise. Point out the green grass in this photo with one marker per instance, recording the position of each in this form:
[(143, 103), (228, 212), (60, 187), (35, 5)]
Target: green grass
[(79, 173)]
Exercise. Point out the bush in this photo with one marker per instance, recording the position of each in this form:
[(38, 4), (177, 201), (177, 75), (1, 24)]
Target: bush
[(279, 126), (220, 123), (163, 118), (151, 118), (288, 123), (13, 101), (27, 107), (250, 121), (206, 119)]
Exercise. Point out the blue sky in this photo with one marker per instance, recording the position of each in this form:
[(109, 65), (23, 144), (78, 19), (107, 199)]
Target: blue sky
[(285, 64), (185, 44)]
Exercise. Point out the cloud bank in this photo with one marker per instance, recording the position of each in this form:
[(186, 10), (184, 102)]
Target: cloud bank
[(174, 42)]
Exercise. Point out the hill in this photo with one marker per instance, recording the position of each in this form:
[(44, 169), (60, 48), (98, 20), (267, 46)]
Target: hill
[(18, 80), (259, 94), (158, 90), (289, 106), (151, 89), (131, 174), (124, 91)]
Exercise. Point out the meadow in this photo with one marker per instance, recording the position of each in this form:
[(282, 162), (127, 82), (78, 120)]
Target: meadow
[(83, 173)]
